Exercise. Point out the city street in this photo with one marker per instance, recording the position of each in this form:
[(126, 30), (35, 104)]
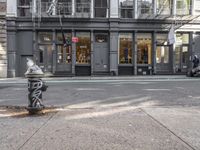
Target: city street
[(139, 113)]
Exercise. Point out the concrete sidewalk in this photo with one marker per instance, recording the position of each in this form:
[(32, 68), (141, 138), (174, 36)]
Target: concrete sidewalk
[(120, 128)]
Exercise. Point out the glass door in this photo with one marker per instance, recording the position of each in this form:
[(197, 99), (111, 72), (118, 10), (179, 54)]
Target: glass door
[(45, 57), (181, 58)]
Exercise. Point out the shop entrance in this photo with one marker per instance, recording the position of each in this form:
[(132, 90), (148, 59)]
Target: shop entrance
[(181, 59), (101, 63), (45, 57), (163, 60), (63, 58)]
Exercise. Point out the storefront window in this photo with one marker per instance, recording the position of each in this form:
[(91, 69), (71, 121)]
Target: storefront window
[(163, 7), (144, 48), (126, 8), (161, 39), (45, 37), (145, 7), (101, 8), (125, 48), (182, 7), (83, 48), (64, 53)]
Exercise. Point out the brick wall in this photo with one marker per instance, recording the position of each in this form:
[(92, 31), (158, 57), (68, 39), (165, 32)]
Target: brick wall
[(3, 40)]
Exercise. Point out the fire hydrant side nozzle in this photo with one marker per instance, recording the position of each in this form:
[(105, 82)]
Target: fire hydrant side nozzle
[(35, 87)]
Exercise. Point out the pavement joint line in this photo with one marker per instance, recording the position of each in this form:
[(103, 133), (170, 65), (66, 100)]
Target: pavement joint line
[(187, 144), (45, 123)]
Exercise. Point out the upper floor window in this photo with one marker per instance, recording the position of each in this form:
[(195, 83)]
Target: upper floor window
[(83, 6), (163, 7), (182, 7), (24, 8), (65, 7), (145, 7), (101, 8), (196, 7), (126, 8)]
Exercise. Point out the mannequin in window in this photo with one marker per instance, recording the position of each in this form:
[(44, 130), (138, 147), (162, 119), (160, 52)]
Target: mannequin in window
[(126, 55), (145, 55)]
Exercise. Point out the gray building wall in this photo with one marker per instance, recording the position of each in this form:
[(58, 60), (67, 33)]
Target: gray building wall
[(3, 40), (22, 39)]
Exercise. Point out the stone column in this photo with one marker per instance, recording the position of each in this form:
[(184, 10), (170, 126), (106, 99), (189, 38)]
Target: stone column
[(3, 40), (73, 54), (114, 52)]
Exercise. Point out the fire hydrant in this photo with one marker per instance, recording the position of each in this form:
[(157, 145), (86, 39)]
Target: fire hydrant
[(35, 87)]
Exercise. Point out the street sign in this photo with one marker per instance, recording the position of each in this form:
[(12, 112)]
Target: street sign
[(75, 39)]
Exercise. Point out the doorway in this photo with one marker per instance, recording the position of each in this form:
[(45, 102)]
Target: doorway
[(45, 58), (163, 60), (181, 59), (101, 62)]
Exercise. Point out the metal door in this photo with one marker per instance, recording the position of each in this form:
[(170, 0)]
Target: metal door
[(45, 57), (101, 63), (163, 60)]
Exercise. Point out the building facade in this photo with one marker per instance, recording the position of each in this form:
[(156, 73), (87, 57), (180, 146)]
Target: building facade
[(104, 37), (3, 39)]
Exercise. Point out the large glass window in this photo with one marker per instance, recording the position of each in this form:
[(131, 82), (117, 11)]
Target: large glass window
[(163, 7), (125, 48), (145, 7), (24, 8), (182, 7), (83, 6), (45, 37), (144, 48), (126, 8), (64, 53), (83, 48)]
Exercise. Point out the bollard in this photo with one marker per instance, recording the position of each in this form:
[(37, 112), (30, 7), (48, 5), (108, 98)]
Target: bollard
[(35, 87)]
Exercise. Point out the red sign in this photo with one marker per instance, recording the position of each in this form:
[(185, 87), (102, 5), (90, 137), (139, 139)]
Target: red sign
[(75, 39)]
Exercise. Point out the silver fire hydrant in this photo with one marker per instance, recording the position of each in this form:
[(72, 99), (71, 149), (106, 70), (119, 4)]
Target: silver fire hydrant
[(35, 87)]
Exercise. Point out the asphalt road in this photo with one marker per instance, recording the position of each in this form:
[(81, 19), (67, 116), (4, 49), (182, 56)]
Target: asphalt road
[(77, 93), (103, 114)]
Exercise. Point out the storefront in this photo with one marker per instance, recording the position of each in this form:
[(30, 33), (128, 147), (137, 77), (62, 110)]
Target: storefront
[(139, 53)]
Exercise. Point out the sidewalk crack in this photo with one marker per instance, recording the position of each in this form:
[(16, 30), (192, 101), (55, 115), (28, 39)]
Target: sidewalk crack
[(187, 144), (38, 130)]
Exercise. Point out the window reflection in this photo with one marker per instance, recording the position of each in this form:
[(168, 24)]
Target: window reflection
[(144, 50), (83, 48), (125, 48)]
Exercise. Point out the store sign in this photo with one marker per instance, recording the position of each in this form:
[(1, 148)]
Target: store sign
[(75, 39)]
